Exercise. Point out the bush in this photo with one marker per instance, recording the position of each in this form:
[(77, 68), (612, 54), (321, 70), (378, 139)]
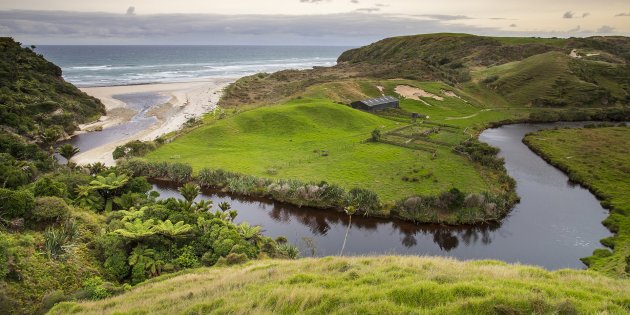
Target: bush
[(187, 258), (15, 203), (50, 299), (47, 186), (116, 265), (365, 200), (232, 259), (133, 149), (49, 209)]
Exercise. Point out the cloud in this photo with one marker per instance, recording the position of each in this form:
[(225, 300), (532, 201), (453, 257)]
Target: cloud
[(605, 29), (368, 10), (346, 29), (585, 14), (568, 15), (513, 25), (445, 17), (354, 1), (576, 29), (623, 14), (131, 10), (381, 5), (311, 1)]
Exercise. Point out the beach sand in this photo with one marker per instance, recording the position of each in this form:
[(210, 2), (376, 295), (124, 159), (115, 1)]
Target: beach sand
[(188, 100)]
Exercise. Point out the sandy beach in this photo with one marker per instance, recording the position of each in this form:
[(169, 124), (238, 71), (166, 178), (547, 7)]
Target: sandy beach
[(187, 100)]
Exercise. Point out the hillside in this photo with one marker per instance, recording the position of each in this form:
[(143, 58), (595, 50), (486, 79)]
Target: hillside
[(598, 158), (369, 285), (35, 101), (594, 69)]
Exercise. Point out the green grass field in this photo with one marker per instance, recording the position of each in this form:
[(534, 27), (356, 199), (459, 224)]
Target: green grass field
[(369, 285), (598, 158), (315, 140)]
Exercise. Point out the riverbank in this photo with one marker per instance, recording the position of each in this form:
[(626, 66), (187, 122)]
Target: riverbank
[(187, 100), (596, 158)]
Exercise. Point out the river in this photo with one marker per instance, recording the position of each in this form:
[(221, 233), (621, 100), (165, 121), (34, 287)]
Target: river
[(554, 225)]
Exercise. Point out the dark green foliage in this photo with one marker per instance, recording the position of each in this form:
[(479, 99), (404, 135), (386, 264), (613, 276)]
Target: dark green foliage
[(15, 203), (14, 173), (34, 97), (187, 258), (364, 200), (481, 153), (189, 191), (49, 209), (50, 299), (221, 239), (22, 151), (47, 186), (134, 148), (67, 151), (116, 265), (57, 239), (376, 135)]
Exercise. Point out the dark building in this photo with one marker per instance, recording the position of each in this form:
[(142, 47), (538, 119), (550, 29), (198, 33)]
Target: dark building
[(374, 104)]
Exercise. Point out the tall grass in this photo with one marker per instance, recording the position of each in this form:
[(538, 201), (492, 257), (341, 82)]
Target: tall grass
[(370, 285)]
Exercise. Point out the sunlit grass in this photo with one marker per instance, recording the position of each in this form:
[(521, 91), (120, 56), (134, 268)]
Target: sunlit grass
[(372, 285)]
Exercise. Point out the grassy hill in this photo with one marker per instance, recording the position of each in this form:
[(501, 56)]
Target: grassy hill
[(590, 71), (35, 101), (598, 158), (314, 140), (369, 285)]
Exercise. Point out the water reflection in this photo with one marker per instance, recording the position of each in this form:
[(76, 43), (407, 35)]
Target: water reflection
[(322, 224)]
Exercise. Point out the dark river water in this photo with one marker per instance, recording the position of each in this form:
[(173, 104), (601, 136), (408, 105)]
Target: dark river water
[(554, 225)]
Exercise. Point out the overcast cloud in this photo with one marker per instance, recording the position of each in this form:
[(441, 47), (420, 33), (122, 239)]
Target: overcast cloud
[(355, 28)]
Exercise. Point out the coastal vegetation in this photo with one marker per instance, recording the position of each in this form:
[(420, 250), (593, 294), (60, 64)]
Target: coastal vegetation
[(597, 157), (369, 285), (91, 232), (35, 101)]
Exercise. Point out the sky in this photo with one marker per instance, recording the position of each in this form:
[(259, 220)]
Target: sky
[(300, 22)]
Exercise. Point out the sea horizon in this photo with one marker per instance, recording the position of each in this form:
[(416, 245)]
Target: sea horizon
[(121, 65)]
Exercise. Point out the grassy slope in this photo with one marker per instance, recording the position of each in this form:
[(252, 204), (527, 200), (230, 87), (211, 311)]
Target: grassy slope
[(599, 158), (360, 285), (284, 137)]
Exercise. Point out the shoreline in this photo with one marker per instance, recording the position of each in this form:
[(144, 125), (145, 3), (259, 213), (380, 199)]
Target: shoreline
[(187, 100)]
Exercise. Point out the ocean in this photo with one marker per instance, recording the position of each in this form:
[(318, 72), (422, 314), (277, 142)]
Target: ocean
[(89, 66)]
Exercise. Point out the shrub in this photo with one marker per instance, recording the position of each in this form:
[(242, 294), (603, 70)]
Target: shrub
[(289, 251), (49, 209), (50, 299), (13, 175), (116, 265), (47, 186), (139, 185), (133, 149), (187, 258), (365, 200), (376, 135), (15, 203), (179, 172), (232, 259), (95, 288)]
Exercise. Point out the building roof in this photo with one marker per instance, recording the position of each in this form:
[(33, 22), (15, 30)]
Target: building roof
[(379, 100)]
